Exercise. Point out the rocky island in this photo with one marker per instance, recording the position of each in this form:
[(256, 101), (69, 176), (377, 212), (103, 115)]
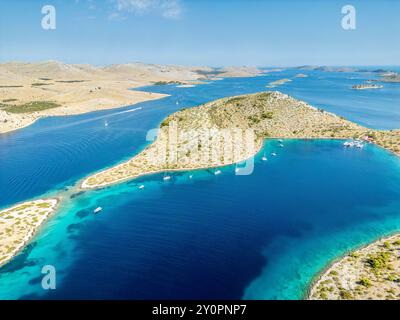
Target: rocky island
[(276, 83), (233, 129), (366, 86), (391, 77)]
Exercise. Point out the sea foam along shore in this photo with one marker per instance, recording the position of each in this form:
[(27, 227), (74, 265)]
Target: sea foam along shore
[(19, 224), (218, 130), (370, 272)]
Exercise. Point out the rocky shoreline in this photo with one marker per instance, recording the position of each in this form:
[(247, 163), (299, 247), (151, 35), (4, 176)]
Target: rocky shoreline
[(19, 224), (371, 272), (229, 130)]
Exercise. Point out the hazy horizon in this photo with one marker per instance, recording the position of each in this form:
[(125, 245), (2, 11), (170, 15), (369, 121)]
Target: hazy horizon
[(189, 65)]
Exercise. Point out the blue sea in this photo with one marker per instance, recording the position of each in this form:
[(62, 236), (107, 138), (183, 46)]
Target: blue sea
[(260, 236)]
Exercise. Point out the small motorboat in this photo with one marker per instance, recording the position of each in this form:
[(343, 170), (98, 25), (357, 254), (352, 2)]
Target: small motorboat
[(141, 186), (106, 123), (190, 177), (217, 172), (166, 178), (97, 210), (351, 144), (359, 145), (281, 145), (237, 170), (274, 154), (348, 144), (264, 158)]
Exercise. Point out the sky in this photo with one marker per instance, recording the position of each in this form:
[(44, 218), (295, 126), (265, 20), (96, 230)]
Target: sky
[(202, 32)]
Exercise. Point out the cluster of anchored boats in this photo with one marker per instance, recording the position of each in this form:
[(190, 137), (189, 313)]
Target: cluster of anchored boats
[(216, 172), (348, 144), (354, 144)]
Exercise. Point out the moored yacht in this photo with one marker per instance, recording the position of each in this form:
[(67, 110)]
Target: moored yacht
[(97, 210)]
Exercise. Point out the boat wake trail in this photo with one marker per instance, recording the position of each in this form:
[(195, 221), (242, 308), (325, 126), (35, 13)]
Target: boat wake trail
[(72, 124)]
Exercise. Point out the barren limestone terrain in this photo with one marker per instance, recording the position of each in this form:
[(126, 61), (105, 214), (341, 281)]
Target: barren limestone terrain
[(29, 91), (18, 224), (372, 272), (232, 129)]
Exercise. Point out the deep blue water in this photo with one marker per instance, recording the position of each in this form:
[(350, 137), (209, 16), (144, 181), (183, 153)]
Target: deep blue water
[(259, 236)]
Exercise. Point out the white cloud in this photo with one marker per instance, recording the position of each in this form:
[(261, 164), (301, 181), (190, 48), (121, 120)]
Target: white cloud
[(170, 9)]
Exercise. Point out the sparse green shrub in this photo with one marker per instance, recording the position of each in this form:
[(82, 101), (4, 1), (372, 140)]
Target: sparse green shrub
[(386, 244), (31, 107), (266, 115), (354, 255), (378, 260), (365, 282), (165, 123), (345, 295)]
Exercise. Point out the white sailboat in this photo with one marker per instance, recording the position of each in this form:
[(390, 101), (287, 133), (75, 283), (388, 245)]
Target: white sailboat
[(264, 158)]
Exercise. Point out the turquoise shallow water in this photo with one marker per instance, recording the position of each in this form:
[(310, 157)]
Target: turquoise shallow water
[(259, 236)]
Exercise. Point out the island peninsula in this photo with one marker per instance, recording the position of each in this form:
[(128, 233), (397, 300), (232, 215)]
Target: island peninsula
[(233, 129), (19, 224)]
